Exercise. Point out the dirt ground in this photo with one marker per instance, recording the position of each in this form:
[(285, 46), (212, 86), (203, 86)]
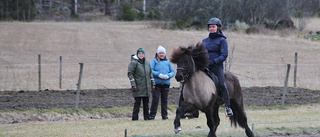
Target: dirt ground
[(106, 98)]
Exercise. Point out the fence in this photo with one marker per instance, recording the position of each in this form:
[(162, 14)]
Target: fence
[(98, 74)]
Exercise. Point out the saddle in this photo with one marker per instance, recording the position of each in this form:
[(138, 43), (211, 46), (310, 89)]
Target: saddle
[(216, 83), (214, 79)]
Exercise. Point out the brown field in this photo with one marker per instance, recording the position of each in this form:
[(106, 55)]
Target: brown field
[(105, 49)]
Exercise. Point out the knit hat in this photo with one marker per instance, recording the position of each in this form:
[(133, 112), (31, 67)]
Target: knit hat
[(140, 50), (161, 49)]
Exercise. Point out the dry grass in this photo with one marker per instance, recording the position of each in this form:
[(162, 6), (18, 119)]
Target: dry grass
[(105, 49), (290, 120)]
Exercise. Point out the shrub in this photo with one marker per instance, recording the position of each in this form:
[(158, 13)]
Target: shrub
[(310, 36), (252, 30), (140, 15), (127, 13), (150, 15)]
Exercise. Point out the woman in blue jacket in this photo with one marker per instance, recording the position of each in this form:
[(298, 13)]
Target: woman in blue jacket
[(162, 71), (217, 47)]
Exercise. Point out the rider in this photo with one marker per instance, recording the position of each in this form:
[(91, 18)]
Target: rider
[(217, 47)]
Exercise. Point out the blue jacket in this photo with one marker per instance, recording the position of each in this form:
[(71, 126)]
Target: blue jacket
[(164, 67), (217, 48)]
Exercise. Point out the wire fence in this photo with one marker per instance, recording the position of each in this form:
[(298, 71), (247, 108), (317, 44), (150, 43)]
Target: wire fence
[(101, 74)]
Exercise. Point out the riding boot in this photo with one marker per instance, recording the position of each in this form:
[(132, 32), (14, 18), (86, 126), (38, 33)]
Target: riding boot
[(226, 99)]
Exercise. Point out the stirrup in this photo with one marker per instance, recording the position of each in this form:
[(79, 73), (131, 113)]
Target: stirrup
[(229, 112)]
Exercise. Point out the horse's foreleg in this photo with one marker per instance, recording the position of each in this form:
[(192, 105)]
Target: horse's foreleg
[(177, 124), (210, 123), (216, 117)]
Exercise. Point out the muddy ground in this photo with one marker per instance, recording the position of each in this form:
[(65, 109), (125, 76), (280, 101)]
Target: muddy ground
[(106, 98)]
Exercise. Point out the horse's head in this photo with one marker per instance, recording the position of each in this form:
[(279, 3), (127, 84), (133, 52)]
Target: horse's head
[(185, 68), (189, 60)]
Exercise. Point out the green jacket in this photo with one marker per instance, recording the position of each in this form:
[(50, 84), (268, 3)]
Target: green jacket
[(140, 75)]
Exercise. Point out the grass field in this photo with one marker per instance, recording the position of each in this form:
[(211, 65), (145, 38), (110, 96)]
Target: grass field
[(105, 49), (294, 119)]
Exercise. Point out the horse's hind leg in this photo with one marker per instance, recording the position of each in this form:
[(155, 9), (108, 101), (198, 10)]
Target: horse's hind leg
[(249, 133), (240, 117), (177, 124)]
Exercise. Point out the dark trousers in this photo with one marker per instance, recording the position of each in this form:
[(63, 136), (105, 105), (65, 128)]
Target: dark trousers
[(160, 91), (136, 108), (218, 71)]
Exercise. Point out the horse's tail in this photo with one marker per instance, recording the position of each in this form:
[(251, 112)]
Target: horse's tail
[(239, 116), (236, 102)]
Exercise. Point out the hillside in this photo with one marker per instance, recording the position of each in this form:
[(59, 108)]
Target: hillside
[(105, 49)]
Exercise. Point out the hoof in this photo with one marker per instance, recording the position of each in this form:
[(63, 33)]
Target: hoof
[(177, 130)]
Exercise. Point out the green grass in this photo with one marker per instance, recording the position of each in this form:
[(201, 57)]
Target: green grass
[(97, 122)]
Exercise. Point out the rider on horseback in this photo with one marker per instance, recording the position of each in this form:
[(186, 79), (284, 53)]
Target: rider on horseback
[(217, 47)]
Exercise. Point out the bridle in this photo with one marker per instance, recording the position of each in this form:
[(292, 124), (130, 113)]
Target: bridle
[(185, 73)]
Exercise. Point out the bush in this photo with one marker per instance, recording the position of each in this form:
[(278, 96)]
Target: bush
[(252, 30), (150, 15), (18, 10), (297, 14), (127, 13), (141, 15), (311, 37)]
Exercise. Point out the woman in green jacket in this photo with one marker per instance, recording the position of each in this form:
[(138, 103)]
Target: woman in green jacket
[(142, 83)]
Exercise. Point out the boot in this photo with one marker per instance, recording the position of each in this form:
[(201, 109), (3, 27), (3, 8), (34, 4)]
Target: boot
[(164, 117), (226, 99), (152, 117)]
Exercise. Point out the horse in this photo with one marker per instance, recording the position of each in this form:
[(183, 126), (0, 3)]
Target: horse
[(199, 90)]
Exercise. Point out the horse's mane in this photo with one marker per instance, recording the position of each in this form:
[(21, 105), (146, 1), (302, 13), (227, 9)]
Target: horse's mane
[(199, 54)]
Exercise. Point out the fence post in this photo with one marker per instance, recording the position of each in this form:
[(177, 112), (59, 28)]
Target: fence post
[(252, 128), (78, 85), (295, 69), (285, 86), (60, 74), (125, 133), (39, 70)]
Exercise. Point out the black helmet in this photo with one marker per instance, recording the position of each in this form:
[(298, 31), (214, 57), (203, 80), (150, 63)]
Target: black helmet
[(214, 21)]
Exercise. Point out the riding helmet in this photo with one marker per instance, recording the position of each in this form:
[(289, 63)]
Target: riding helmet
[(214, 21)]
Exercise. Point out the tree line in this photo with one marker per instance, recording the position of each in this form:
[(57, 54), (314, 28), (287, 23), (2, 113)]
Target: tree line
[(181, 12)]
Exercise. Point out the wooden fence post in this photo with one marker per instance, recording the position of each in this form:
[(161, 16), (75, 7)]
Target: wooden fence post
[(252, 128), (78, 85), (60, 74), (295, 69), (285, 86), (39, 70)]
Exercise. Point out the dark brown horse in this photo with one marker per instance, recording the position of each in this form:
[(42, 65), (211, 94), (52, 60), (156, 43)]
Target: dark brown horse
[(200, 93)]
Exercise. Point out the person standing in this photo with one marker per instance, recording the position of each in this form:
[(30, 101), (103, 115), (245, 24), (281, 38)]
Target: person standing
[(162, 71), (217, 47), (142, 83)]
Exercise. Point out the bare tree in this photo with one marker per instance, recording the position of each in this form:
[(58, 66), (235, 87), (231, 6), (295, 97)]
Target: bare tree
[(73, 7), (18, 10), (107, 10)]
